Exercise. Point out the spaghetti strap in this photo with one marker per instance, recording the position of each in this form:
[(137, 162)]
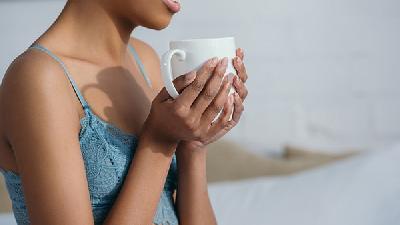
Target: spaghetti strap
[(74, 86), (140, 64), (56, 58)]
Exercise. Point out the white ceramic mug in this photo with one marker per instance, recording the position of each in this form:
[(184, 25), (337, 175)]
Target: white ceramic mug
[(185, 56)]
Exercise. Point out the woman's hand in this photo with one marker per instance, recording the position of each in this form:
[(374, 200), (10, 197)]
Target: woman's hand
[(234, 105), (193, 202), (170, 120), (203, 94)]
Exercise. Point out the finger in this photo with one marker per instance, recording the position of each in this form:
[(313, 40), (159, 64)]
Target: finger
[(240, 53), (240, 68), (183, 81), (223, 124), (223, 120), (211, 89), (239, 108), (217, 104), (240, 88), (190, 93), (180, 84)]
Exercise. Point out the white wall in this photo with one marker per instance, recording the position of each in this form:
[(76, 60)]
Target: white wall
[(322, 72)]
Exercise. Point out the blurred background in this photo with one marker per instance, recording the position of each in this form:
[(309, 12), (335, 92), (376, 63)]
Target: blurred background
[(323, 88)]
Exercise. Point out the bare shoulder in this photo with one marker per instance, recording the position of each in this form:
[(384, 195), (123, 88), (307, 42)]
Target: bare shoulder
[(151, 61), (41, 120), (34, 79)]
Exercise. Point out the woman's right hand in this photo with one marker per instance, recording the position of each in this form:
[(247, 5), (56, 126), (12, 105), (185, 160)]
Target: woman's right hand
[(203, 94)]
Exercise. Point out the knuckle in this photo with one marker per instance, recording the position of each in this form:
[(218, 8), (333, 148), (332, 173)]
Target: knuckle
[(197, 85), (220, 73), (191, 125), (240, 81), (245, 77), (225, 122), (246, 92), (207, 68), (215, 108), (209, 94), (180, 110), (210, 66)]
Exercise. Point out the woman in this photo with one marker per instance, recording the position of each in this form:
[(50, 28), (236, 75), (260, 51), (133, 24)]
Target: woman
[(110, 155)]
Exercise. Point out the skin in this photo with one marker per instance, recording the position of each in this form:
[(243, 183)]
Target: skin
[(40, 116)]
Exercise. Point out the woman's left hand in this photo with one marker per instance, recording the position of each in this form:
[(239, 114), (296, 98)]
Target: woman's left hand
[(234, 105)]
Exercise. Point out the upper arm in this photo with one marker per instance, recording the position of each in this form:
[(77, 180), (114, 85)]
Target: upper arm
[(41, 125), (151, 62)]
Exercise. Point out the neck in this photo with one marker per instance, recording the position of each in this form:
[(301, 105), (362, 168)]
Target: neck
[(87, 26)]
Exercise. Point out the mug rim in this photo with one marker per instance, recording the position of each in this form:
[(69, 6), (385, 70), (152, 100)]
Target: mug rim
[(204, 39)]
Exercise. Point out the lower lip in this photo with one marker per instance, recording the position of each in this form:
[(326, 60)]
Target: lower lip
[(172, 5)]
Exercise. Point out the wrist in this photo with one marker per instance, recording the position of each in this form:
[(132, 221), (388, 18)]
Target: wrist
[(190, 149), (188, 157), (194, 146), (152, 137)]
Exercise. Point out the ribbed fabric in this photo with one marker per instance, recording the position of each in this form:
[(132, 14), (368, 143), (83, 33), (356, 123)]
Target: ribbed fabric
[(107, 153)]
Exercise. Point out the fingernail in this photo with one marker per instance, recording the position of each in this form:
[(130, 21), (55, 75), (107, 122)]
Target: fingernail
[(237, 80), (226, 84), (190, 77), (229, 86), (214, 61), (230, 77), (231, 100), (225, 61), (224, 80), (234, 80), (229, 80), (239, 61)]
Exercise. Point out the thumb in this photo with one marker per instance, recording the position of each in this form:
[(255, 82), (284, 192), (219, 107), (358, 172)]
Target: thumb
[(180, 84)]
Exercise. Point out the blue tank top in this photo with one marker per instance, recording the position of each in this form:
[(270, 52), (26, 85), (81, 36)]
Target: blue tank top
[(107, 153)]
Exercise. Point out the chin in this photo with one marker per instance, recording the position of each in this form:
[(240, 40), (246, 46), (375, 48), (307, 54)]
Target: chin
[(158, 23)]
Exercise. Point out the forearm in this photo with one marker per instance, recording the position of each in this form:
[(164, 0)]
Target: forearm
[(193, 203), (140, 194)]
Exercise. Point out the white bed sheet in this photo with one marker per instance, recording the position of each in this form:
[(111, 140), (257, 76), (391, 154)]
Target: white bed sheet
[(364, 190), (7, 219)]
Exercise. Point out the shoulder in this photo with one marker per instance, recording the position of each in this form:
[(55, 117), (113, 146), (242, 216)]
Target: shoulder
[(150, 60), (34, 81), (34, 69), (42, 125)]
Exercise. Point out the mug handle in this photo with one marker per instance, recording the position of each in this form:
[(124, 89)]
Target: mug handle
[(166, 70)]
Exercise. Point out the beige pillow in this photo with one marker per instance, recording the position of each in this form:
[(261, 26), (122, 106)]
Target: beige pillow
[(5, 203), (294, 152), (230, 161)]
